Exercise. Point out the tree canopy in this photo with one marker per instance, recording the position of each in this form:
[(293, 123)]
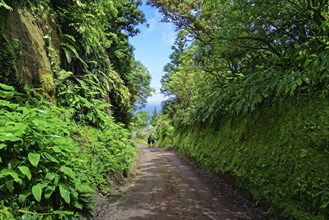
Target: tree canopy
[(242, 53), (233, 59)]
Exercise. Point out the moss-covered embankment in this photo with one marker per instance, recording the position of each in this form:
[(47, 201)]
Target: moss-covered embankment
[(27, 55), (279, 153)]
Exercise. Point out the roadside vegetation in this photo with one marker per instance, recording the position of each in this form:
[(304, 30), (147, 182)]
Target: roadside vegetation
[(247, 87), (64, 127), (143, 126), (248, 92)]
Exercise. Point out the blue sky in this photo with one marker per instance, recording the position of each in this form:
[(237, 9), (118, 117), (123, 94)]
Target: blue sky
[(153, 47)]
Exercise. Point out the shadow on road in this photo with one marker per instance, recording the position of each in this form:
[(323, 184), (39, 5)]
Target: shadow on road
[(167, 187)]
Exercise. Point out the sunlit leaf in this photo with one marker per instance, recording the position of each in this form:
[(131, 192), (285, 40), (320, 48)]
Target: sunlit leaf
[(50, 158), (26, 171), (51, 176), (12, 173), (3, 86), (22, 198), (37, 192), (68, 171), (34, 159), (64, 192)]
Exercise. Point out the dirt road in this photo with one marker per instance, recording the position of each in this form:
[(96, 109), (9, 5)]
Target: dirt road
[(168, 187)]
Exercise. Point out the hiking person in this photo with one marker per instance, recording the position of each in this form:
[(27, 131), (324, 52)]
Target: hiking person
[(149, 140)]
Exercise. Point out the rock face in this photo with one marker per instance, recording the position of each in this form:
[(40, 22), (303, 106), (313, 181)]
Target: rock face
[(35, 53)]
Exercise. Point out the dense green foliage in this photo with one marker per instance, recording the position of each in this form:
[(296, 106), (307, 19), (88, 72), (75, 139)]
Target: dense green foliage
[(142, 127), (141, 119), (92, 39), (164, 131), (95, 41), (141, 87), (48, 164), (39, 163), (276, 49), (108, 154), (62, 142), (238, 76), (279, 153)]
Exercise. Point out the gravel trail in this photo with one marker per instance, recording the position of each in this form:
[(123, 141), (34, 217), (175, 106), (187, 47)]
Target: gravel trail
[(167, 186)]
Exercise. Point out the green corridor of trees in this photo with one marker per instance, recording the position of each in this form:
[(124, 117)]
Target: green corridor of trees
[(247, 91)]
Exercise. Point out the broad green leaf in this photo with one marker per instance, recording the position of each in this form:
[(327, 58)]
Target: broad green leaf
[(10, 185), (26, 171), (299, 82), (14, 118), (56, 179), (51, 158), (17, 147), (12, 173), (13, 163), (37, 192), (51, 176), (2, 146), (49, 191), (34, 159), (42, 124), (22, 197), (49, 218), (65, 193), (57, 149), (68, 171), (20, 128), (324, 205), (9, 137)]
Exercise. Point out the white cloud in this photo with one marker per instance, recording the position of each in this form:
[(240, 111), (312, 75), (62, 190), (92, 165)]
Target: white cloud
[(166, 30), (168, 34), (152, 23), (157, 98)]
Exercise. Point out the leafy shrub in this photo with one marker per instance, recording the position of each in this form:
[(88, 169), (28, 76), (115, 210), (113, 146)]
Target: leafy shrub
[(279, 154), (40, 165), (108, 153), (164, 131), (106, 146), (79, 96)]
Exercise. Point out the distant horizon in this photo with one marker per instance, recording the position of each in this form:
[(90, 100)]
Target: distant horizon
[(149, 107)]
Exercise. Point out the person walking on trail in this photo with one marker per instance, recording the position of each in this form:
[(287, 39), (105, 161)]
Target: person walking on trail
[(153, 142), (149, 140)]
